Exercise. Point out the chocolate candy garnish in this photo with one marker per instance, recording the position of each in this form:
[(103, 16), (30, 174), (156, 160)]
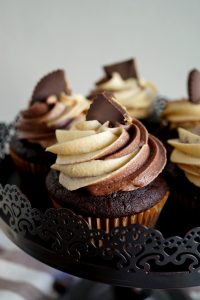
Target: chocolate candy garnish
[(53, 83), (126, 69), (105, 107), (194, 86)]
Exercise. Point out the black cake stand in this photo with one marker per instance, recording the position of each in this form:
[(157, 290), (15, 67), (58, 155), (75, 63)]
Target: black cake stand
[(131, 256)]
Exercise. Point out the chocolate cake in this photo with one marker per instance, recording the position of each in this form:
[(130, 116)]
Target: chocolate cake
[(117, 204)]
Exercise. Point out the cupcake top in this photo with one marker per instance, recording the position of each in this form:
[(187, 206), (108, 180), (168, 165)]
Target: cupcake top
[(122, 79), (51, 106), (109, 152), (186, 153), (185, 113)]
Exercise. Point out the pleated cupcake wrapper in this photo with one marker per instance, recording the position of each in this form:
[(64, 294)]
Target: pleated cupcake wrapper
[(25, 166), (148, 217)]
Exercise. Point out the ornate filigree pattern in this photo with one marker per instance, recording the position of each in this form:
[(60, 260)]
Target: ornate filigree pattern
[(69, 234), (17, 212), (6, 133), (132, 249), (4, 137)]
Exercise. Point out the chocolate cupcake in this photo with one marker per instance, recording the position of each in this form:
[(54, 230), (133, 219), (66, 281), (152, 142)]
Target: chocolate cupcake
[(137, 95), (184, 113), (108, 169), (184, 173), (51, 106)]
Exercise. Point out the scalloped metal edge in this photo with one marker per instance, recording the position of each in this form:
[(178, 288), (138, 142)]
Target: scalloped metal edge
[(6, 132), (133, 248)]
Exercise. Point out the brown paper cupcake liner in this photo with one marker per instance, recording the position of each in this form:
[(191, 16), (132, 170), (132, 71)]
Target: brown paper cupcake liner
[(148, 217), (26, 167)]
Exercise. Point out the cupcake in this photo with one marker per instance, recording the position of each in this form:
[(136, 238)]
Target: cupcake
[(184, 113), (51, 106), (185, 171), (108, 169), (137, 95)]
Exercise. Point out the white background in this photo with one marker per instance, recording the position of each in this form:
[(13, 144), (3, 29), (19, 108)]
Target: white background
[(80, 36)]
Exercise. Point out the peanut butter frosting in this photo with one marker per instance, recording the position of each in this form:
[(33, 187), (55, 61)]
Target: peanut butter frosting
[(186, 153), (182, 113), (38, 123), (106, 159)]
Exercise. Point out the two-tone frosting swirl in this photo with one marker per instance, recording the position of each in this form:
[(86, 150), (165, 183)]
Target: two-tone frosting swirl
[(107, 159), (137, 97), (185, 113), (187, 153), (182, 113), (38, 123)]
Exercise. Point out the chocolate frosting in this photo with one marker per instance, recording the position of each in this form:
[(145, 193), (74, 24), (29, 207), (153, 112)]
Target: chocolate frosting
[(32, 125), (138, 173)]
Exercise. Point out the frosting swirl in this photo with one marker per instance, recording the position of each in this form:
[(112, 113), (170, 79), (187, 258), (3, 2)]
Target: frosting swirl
[(106, 160), (137, 97), (182, 113), (38, 123), (187, 153)]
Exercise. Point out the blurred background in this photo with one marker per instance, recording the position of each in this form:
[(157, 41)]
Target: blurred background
[(81, 36)]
